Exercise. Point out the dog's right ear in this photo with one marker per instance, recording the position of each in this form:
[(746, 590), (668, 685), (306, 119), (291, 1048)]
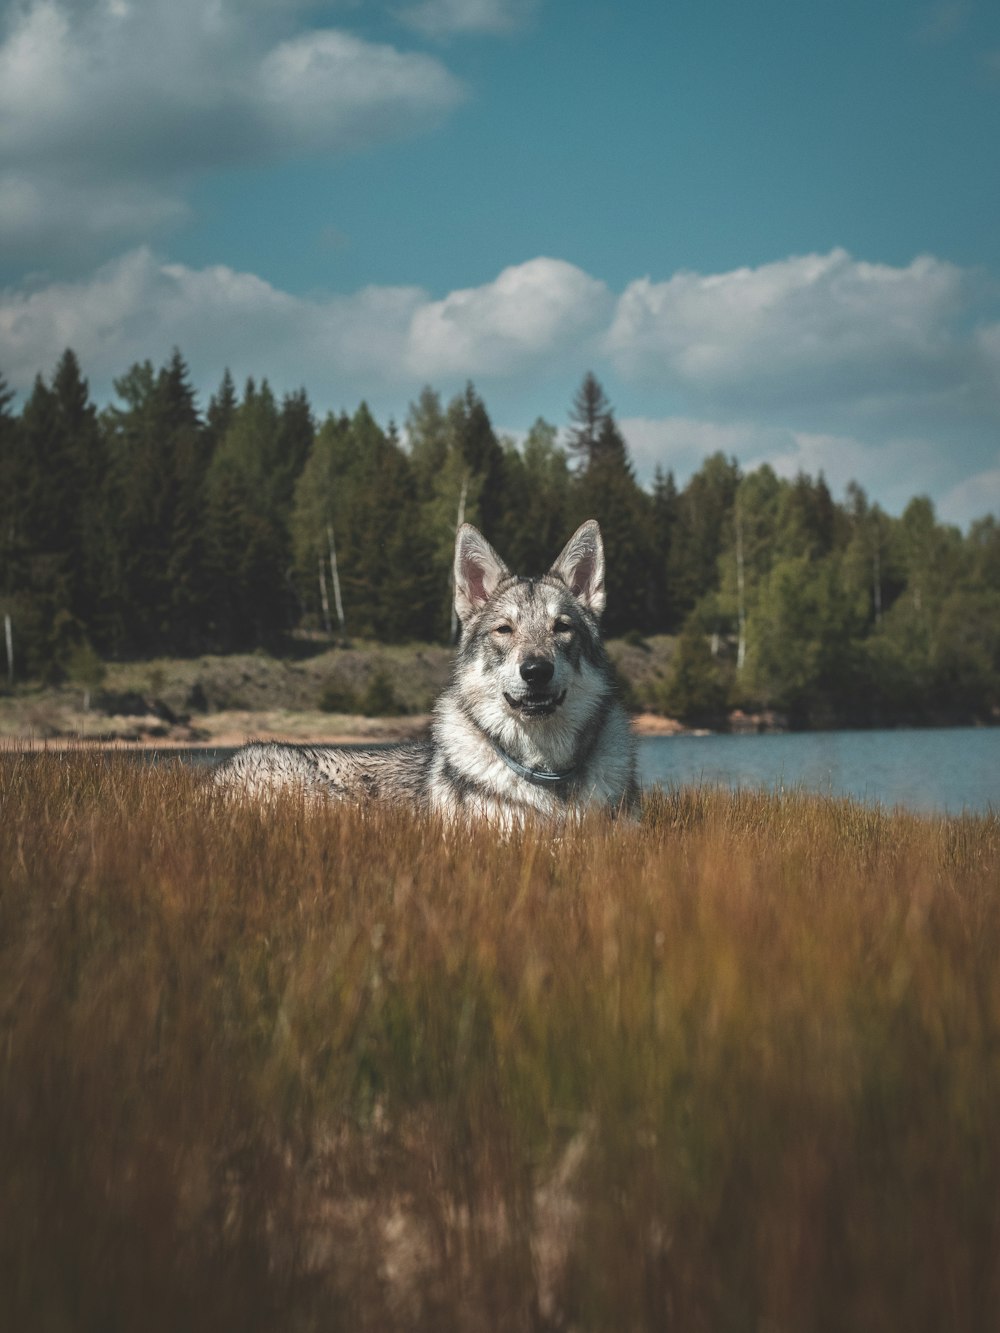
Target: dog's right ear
[(478, 570)]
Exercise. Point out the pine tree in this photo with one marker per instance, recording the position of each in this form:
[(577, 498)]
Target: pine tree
[(361, 482), (591, 412), (607, 490), (532, 528), (247, 544), (663, 518), (806, 522), (314, 511), (188, 450), (13, 550), (63, 466), (703, 528), (472, 437), (221, 410), (427, 435), (296, 432)]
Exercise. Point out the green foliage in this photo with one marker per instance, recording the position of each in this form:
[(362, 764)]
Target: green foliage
[(379, 698), (247, 553), (694, 691), (802, 634), (336, 696), (153, 529), (85, 667)]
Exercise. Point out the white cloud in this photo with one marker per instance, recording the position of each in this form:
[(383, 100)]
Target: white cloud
[(331, 90), (138, 306), (530, 332), (440, 18), (45, 215), (893, 470), (681, 444), (117, 106), (531, 309), (805, 330), (973, 497)]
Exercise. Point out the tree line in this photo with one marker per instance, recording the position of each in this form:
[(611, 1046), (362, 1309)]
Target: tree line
[(153, 527)]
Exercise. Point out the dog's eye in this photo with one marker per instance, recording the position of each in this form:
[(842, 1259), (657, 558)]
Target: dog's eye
[(503, 629), (564, 627)]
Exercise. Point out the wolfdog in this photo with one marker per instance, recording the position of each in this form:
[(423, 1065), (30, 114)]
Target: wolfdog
[(530, 725)]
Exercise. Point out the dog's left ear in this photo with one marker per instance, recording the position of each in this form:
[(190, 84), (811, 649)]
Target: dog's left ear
[(581, 566), (478, 570)]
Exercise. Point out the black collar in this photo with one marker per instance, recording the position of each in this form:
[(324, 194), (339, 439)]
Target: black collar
[(541, 777)]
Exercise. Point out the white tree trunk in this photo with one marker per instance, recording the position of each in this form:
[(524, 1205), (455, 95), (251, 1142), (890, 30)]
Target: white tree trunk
[(336, 577), (8, 634), (322, 593)]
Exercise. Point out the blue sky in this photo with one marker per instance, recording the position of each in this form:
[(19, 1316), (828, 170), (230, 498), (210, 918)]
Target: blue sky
[(772, 229)]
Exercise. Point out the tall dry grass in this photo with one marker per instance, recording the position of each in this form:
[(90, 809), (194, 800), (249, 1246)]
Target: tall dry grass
[(737, 1067)]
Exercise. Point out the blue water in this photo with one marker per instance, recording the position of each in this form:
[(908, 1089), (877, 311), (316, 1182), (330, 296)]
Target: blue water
[(946, 770)]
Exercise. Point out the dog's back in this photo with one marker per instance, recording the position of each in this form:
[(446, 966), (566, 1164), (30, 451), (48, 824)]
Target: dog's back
[(383, 773)]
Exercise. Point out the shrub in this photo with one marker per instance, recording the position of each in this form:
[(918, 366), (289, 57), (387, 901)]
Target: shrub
[(337, 697), (379, 699)]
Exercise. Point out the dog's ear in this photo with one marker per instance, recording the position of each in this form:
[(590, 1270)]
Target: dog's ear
[(581, 566), (478, 570)]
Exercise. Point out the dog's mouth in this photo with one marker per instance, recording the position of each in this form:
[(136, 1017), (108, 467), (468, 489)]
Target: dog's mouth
[(535, 703)]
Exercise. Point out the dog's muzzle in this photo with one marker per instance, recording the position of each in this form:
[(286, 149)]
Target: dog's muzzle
[(539, 699), (535, 703)]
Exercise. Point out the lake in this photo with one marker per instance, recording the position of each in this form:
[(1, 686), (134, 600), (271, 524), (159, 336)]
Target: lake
[(944, 770), (937, 770)]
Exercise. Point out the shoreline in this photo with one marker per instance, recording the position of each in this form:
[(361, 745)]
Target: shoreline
[(232, 729), (229, 730)]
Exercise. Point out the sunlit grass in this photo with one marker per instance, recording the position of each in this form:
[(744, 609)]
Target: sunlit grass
[(737, 1067)]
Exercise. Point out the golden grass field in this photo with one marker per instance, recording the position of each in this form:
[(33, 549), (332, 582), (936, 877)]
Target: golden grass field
[(736, 1067)]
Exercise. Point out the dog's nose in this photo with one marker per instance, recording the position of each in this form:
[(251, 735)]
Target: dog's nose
[(537, 670)]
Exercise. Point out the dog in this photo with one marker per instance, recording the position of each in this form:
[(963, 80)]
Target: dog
[(531, 724)]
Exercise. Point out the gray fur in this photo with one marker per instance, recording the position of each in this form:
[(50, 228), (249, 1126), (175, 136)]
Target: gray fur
[(530, 723)]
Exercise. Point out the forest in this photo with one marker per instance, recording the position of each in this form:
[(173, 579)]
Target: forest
[(154, 527)]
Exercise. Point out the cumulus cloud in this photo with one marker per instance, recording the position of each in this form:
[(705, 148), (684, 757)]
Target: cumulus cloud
[(118, 104), (681, 444), (972, 497), (530, 309), (141, 306), (805, 330), (532, 329), (893, 469), (440, 18)]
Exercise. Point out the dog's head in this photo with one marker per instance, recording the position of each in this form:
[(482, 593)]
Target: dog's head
[(531, 649)]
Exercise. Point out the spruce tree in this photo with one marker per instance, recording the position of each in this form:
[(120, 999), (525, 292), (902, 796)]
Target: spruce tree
[(247, 547), (607, 490), (703, 528), (188, 453), (296, 432), (13, 541), (663, 517), (589, 416), (221, 410), (62, 476), (427, 436), (474, 440)]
